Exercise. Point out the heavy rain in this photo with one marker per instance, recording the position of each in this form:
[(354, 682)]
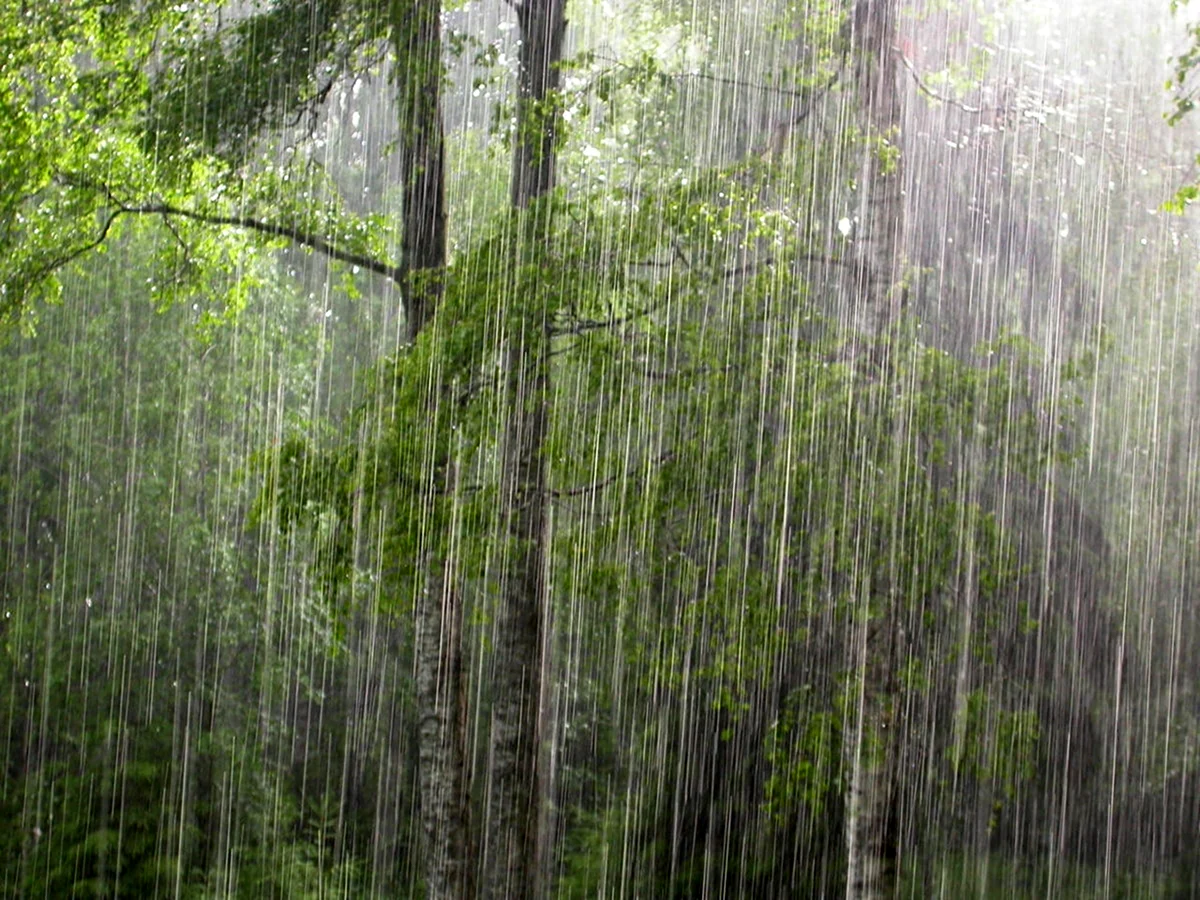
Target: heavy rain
[(599, 448)]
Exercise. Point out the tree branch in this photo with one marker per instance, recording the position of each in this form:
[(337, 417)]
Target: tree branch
[(721, 79), (70, 257), (1004, 109), (292, 233), (580, 326), (600, 485), (783, 130), (930, 92), (249, 223), (670, 374)]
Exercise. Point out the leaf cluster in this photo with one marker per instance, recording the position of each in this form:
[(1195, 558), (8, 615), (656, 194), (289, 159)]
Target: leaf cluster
[(225, 85)]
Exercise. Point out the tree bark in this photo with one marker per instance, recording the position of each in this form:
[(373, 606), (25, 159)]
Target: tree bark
[(869, 756), (417, 38), (440, 685), (442, 708), (877, 258), (543, 25), (515, 787), (877, 266)]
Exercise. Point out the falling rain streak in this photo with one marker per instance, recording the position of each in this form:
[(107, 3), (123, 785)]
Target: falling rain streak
[(599, 448)]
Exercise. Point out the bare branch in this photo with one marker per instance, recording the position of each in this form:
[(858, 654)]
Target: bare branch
[(1002, 109), (821, 258), (750, 268), (783, 130)]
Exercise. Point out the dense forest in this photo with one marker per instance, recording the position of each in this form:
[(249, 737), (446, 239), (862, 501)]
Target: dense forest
[(588, 448)]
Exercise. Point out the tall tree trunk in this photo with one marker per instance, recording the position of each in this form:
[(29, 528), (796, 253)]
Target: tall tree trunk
[(543, 25), (870, 755), (870, 752), (515, 785), (442, 709), (441, 692), (417, 37), (878, 243)]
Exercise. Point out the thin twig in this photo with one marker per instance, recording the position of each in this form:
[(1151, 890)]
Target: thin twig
[(667, 375), (716, 79), (600, 485), (927, 90), (68, 258), (170, 226), (584, 325)]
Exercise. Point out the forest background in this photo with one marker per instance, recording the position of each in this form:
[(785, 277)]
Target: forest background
[(691, 449)]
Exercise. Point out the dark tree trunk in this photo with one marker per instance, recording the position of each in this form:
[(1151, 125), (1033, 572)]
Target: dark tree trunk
[(515, 787), (534, 155), (417, 36), (441, 692)]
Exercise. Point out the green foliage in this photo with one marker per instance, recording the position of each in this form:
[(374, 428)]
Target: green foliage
[(734, 481), (998, 745), (778, 475), (101, 827), (803, 749), (816, 28), (1184, 63), (69, 90), (132, 607), (593, 854), (431, 467), (1183, 198), (97, 135), (997, 876), (231, 83)]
